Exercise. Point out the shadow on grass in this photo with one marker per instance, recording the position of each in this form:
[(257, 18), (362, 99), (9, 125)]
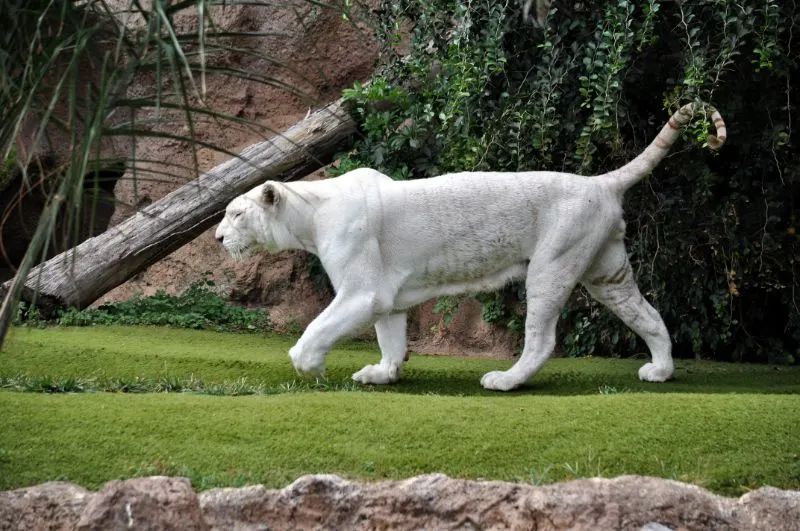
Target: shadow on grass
[(565, 377)]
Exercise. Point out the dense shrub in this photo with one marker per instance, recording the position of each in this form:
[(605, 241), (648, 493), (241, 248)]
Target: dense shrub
[(712, 237), (198, 307)]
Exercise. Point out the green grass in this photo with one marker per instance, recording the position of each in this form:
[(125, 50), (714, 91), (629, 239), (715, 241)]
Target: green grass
[(724, 426), (209, 357)]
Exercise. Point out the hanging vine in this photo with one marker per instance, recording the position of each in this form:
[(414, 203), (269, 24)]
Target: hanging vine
[(713, 238)]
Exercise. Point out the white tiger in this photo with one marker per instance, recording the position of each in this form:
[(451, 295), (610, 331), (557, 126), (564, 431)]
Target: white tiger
[(388, 246)]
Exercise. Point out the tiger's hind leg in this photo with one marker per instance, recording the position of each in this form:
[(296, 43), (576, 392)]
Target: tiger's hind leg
[(551, 277), (610, 281)]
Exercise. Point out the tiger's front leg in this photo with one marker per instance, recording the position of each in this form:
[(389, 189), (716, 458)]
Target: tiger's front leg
[(391, 332), (345, 315)]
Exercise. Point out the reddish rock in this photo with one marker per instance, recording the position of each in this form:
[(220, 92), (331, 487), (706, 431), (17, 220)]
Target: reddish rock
[(425, 502), (144, 503), (52, 505), (438, 502)]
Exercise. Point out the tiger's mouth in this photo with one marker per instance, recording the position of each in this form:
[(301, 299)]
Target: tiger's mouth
[(239, 252)]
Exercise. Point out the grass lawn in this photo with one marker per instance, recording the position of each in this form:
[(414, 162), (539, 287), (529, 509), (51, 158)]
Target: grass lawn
[(727, 427)]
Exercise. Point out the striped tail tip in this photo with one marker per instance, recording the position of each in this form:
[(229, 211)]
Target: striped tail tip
[(716, 141)]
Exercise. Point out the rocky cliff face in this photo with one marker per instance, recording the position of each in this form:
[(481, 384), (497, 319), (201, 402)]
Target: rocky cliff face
[(310, 48), (425, 502)]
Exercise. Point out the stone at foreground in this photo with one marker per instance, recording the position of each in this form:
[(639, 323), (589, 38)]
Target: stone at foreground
[(156, 502), (425, 502), (51, 505)]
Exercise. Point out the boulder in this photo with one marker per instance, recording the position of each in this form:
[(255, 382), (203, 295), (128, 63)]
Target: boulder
[(425, 502), (51, 505), (438, 502), (156, 502)]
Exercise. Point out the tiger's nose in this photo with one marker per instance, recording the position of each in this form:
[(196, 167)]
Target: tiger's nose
[(219, 237)]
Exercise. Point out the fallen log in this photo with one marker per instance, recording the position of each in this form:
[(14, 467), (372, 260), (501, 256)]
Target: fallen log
[(81, 275)]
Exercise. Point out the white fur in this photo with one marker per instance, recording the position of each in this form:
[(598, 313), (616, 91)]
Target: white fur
[(388, 246)]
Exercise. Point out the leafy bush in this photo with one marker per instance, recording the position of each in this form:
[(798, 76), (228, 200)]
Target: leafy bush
[(198, 307), (448, 307), (7, 168), (713, 238), (27, 315)]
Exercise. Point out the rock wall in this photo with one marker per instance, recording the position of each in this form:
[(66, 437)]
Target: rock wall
[(424, 502), (311, 48)]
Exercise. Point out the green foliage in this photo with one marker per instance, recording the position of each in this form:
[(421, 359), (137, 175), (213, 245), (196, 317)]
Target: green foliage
[(494, 310), (605, 57), (198, 307), (506, 308), (318, 276), (769, 34), (448, 307), (425, 127), (77, 382), (27, 315), (713, 237), (7, 168), (163, 384)]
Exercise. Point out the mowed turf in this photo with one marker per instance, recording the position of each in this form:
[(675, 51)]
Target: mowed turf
[(211, 357), (724, 426)]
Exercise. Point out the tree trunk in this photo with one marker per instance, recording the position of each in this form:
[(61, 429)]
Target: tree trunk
[(84, 273)]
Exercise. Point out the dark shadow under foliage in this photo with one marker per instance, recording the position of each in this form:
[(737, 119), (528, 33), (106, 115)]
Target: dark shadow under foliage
[(713, 237)]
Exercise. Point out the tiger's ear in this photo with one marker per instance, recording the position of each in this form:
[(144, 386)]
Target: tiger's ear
[(270, 194)]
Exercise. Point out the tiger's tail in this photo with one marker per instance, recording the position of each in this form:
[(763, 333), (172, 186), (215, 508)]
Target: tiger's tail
[(623, 178)]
